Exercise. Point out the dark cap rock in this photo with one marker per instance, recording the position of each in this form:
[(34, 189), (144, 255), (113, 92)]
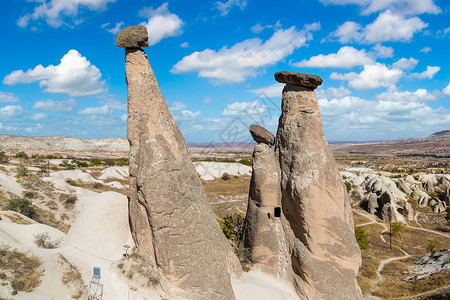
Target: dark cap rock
[(133, 37), (305, 80), (262, 135)]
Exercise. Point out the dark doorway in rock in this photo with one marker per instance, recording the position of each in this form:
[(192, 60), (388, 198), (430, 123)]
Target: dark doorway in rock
[(277, 212)]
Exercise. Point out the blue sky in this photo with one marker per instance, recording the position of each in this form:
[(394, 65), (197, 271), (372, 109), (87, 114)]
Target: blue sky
[(384, 65)]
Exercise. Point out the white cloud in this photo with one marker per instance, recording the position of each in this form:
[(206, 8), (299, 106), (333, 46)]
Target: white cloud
[(123, 118), (405, 64), (446, 90), (39, 116), (61, 12), (184, 45), (257, 28), (102, 110), (174, 106), (35, 128), (427, 74), (404, 7), (224, 7), (382, 51), (418, 95), (187, 115), (7, 127), (332, 92), (244, 108), (346, 57), (75, 75), (8, 97), (388, 27), (244, 59), (161, 23), (373, 76), (115, 30), (206, 100), (52, 105), (12, 111), (425, 49), (273, 90)]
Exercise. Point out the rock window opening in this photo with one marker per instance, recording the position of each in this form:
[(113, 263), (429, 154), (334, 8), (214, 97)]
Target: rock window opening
[(277, 212)]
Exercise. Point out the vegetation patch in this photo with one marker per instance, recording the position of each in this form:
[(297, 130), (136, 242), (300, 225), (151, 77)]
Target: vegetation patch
[(23, 206), (44, 240), (136, 267), (72, 278), (21, 271)]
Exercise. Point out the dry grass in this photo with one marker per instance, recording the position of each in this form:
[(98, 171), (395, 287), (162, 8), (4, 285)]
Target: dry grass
[(135, 267), (16, 218), (359, 219), (48, 218), (234, 186), (395, 286), (22, 271), (72, 278)]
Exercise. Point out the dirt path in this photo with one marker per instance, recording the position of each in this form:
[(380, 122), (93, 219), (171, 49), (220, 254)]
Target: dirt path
[(442, 288), (388, 260)]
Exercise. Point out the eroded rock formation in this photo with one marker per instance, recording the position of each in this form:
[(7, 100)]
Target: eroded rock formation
[(263, 230), (171, 221), (324, 253)]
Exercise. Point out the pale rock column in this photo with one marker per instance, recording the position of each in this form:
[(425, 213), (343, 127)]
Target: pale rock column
[(171, 221), (324, 253)]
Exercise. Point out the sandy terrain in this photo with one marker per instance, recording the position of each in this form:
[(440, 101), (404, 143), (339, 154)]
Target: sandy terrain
[(210, 170)]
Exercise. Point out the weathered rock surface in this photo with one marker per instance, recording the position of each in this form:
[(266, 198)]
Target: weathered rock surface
[(372, 204), (408, 212), (171, 220), (132, 37), (262, 135), (263, 229), (324, 253), (299, 79)]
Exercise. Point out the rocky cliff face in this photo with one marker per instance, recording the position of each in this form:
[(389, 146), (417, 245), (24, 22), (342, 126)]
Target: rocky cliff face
[(171, 221)]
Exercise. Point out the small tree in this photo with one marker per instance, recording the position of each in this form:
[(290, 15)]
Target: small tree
[(123, 161), (21, 154), (397, 229), (348, 185), (22, 170), (361, 238), (3, 157), (23, 206), (226, 176)]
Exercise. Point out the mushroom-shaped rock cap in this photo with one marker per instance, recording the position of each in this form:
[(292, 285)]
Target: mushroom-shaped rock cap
[(133, 37), (305, 80), (262, 135)]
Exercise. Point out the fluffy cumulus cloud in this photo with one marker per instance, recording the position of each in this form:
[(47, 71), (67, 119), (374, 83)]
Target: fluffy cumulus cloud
[(174, 106), (383, 119), (244, 59), (273, 90), (12, 111), (446, 90), (224, 7), (161, 23), (8, 97), (373, 76), (346, 57), (61, 12), (102, 110), (332, 92), (382, 51), (39, 116), (7, 127), (75, 75), (406, 96), (388, 27), (403, 7), (425, 49), (186, 115), (427, 74), (405, 63), (52, 105), (245, 108)]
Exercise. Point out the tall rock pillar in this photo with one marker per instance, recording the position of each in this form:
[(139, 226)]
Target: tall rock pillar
[(324, 253), (171, 220), (263, 228)]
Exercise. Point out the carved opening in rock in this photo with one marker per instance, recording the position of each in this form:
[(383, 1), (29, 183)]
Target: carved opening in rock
[(277, 212), (268, 215)]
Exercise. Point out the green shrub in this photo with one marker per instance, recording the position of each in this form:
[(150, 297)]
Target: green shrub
[(21, 154), (79, 163), (110, 162), (71, 182), (226, 176), (232, 226), (23, 206), (247, 162), (22, 170), (361, 238), (3, 157), (348, 185), (397, 228), (431, 248), (95, 162), (123, 161)]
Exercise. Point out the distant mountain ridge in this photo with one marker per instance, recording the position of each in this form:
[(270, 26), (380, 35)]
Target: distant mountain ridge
[(119, 146)]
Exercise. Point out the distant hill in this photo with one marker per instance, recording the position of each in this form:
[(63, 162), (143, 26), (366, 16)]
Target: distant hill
[(438, 142)]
